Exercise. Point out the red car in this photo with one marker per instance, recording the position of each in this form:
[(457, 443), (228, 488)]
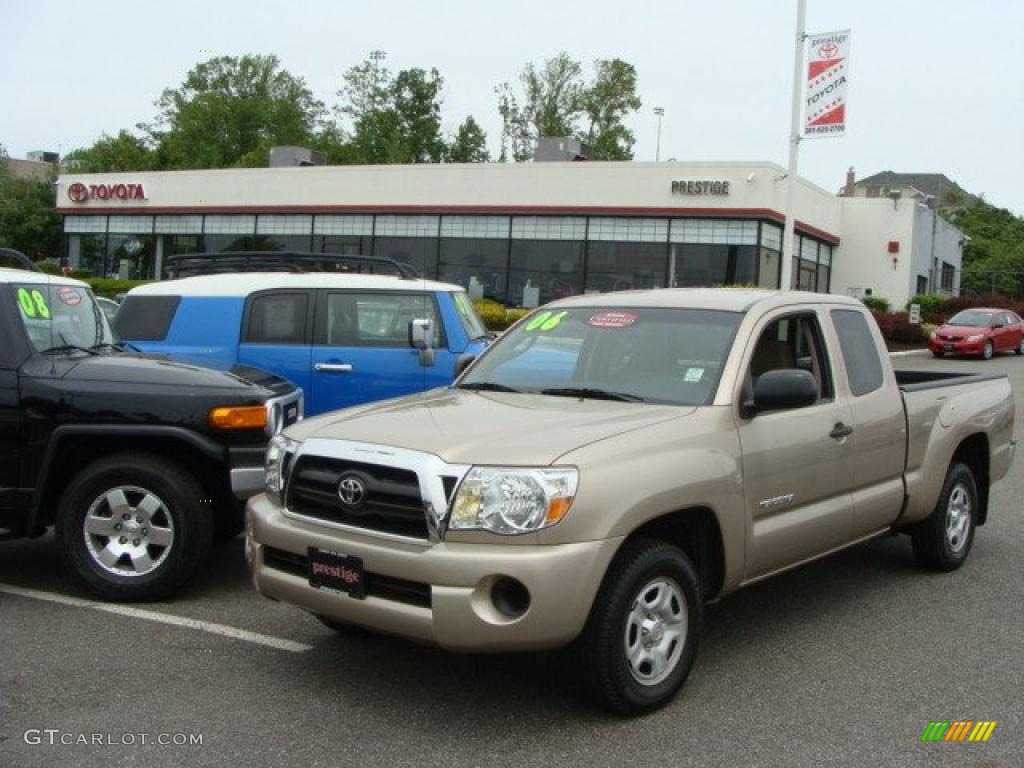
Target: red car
[(981, 332)]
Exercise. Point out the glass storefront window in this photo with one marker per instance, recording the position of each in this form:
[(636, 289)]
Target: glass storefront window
[(130, 257), (482, 258), (355, 245), (709, 265), (419, 252), (768, 269), (623, 266), (553, 266)]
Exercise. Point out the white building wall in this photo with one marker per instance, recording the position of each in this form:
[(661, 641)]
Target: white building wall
[(594, 185), (863, 261)]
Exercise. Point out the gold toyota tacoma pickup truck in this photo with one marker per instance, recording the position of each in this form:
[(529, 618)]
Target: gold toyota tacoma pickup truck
[(613, 462)]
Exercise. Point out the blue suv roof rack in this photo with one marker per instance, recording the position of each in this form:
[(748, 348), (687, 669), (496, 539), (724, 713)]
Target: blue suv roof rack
[(191, 264)]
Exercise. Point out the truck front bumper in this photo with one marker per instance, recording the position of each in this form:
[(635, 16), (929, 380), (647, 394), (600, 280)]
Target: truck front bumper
[(443, 593)]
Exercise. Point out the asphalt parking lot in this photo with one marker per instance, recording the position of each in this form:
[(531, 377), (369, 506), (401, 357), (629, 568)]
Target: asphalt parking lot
[(841, 662)]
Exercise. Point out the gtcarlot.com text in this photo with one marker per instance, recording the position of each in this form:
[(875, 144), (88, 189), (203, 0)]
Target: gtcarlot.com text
[(55, 736)]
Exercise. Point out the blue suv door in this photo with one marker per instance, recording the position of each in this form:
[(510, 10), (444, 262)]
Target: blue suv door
[(361, 348), (277, 331)]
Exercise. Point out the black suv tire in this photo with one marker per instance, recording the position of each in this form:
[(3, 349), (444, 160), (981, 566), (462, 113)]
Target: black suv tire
[(147, 531)]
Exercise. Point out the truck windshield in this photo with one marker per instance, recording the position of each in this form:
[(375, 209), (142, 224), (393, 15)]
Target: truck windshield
[(668, 356), (971, 319), (61, 317)]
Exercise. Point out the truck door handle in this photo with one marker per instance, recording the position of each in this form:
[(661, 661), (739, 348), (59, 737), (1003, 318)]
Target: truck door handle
[(333, 367), (840, 430)]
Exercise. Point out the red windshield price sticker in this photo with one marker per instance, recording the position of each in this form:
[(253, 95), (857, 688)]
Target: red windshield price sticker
[(613, 320), (69, 296)]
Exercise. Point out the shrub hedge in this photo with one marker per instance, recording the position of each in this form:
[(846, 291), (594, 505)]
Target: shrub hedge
[(497, 317)]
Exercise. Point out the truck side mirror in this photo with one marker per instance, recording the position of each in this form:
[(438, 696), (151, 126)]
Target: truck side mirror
[(421, 337), (421, 334), (780, 390)]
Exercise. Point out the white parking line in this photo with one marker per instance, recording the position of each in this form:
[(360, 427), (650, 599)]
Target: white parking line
[(163, 618)]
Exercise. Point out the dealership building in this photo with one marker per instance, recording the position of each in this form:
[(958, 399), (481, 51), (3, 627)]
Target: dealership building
[(520, 232)]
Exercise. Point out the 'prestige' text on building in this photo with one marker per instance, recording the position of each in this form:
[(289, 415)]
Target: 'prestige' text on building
[(700, 187)]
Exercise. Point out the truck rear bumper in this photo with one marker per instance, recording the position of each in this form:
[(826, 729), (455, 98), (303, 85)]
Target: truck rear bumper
[(443, 593)]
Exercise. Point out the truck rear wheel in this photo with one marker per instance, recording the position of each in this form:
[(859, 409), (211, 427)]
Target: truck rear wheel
[(641, 637), (943, 541), (133, 527)]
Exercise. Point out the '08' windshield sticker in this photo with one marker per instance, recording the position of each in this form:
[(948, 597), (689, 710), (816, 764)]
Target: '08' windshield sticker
[(33, 303), (612, 320), (546, 321)]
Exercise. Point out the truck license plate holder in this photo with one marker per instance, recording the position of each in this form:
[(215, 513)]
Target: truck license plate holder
[(337, 572)]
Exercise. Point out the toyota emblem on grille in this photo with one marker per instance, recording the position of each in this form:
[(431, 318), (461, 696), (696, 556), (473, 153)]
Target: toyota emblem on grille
[(351, 491)]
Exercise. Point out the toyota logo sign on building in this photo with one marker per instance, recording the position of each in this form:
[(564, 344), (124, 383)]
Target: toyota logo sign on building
[(78, 192)]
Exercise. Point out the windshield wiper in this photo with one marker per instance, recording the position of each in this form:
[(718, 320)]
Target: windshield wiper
[(121, 346), (71, 347), (487, 386), (593, 394)]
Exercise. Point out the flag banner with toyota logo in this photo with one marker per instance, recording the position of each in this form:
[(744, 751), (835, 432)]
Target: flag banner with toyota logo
[(828, 69)]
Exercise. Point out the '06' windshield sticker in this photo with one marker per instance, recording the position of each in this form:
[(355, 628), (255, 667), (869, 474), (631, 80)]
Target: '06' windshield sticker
[(33, 303), (546, 321), (613, 320)]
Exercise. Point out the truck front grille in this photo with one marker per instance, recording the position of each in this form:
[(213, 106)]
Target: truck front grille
[(391, 502)]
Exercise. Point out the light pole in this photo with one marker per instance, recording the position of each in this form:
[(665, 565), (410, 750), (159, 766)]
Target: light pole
[(660, 112)]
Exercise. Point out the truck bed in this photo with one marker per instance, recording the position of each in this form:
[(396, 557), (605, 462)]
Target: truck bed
[(916, 381), (942, 409)]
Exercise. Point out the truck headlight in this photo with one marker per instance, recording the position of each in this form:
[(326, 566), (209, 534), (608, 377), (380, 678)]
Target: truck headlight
[(513, 500), (280, 452), (975, 337)]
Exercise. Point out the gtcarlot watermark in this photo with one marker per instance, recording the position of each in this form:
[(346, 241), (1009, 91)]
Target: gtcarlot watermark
[(55, 736)]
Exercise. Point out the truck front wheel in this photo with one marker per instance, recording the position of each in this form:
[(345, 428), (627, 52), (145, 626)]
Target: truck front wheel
[(943, 540), (133, 527), (641, 637)]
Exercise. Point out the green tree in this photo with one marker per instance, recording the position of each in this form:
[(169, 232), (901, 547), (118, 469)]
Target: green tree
[(229, 111), (28, 221), (469, 144), (994, 255), (555, 101), (609, 99), (123, 152), (395, 119)]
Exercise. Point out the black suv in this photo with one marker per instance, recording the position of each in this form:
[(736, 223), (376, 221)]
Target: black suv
[(138, 463)]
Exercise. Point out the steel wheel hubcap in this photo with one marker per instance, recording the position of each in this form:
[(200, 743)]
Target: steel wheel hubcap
[(655, 631), (958, 518), (128, 531)]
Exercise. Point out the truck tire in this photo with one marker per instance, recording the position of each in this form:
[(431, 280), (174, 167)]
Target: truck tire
[(133, 527), (943, 540), (640, 639), (229, 521)]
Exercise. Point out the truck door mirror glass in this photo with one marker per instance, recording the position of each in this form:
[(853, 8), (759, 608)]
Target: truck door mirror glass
[(783, 389), (421, 334)]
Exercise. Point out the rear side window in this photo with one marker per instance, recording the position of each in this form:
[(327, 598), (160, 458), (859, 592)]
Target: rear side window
[(860, 352), (277, 318), (146, 318)]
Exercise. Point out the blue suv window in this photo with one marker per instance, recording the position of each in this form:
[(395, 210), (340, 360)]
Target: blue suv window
[(277, 318), (377, 319), (146, 318)]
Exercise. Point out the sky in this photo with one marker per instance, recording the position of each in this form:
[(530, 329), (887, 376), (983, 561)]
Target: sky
[(935, 86)]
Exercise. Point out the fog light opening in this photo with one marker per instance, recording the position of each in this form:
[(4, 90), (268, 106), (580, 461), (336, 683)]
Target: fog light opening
[(510, 597)]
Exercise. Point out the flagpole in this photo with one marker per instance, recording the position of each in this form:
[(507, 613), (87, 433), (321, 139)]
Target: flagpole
[(785, 279)]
